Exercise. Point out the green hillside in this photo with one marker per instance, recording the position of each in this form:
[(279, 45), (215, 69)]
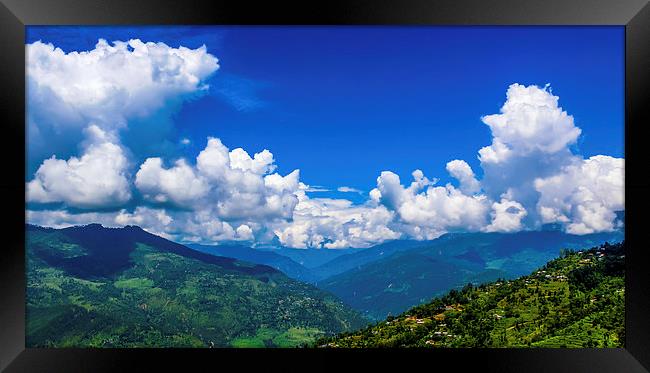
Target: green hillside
[(576, 300), (392, 280), (99, 287)]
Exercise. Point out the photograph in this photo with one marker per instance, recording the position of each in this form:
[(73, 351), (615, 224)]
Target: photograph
[(325, 187)]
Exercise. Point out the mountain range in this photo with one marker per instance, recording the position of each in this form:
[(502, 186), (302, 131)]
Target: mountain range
[(92, 286), (280, 262), (388, 278), (88, 285)]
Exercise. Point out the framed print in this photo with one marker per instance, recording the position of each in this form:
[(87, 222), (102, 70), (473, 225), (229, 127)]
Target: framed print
[(425, 182)]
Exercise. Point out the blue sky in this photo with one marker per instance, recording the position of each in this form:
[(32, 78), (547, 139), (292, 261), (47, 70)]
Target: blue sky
[(344, 103), (347, 106)]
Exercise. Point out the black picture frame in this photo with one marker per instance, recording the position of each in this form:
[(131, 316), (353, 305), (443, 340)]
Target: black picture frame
[(16, 14)]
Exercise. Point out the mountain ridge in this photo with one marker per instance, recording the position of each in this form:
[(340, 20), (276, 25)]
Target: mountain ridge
[(277, 261), (392, 276), (91, 286), (576, 300), (466, 257)]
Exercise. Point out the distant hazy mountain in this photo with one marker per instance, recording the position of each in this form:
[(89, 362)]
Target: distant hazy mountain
[(359, 257), (92, 286), (282, 263), (311, 258), (414, 274), (321, 263)]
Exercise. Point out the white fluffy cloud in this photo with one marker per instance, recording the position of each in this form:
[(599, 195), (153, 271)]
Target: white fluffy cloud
[(180, 226), (530, 177), (235, 186), (506, 216), (63, 218), (116, 87), (462, 172), (199, 226), (112, 83), (427, 211), (261, 162), (584, 196), (132, 87), (100, 91), (97, 179), (335, 223), (144, 216), (179, 184), (530, 139), (530, 121), (530, 160)]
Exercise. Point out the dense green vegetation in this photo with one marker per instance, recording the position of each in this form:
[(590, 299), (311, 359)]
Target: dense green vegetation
[(391, 278), (281, 263), (98, 287), (576, 300)]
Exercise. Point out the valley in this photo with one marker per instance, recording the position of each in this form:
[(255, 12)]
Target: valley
[(91, 286)]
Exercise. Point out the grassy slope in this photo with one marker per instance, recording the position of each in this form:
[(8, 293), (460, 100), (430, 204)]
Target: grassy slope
[(405, 278), (160, 297), (576, 300)]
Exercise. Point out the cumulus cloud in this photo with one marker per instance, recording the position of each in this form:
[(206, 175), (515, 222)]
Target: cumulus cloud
[(530, 120), (335, 223), (179, 184), (112, 86), (530, 159), (176, 225), (506, 216), (97, 179), (584, 196), (111, 83), (261, 162), (530, 177), (426, 211), (144, 216), (233, 184), (244, 232), (530, 138), (63, 218), (462, 172), (199, 226)]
